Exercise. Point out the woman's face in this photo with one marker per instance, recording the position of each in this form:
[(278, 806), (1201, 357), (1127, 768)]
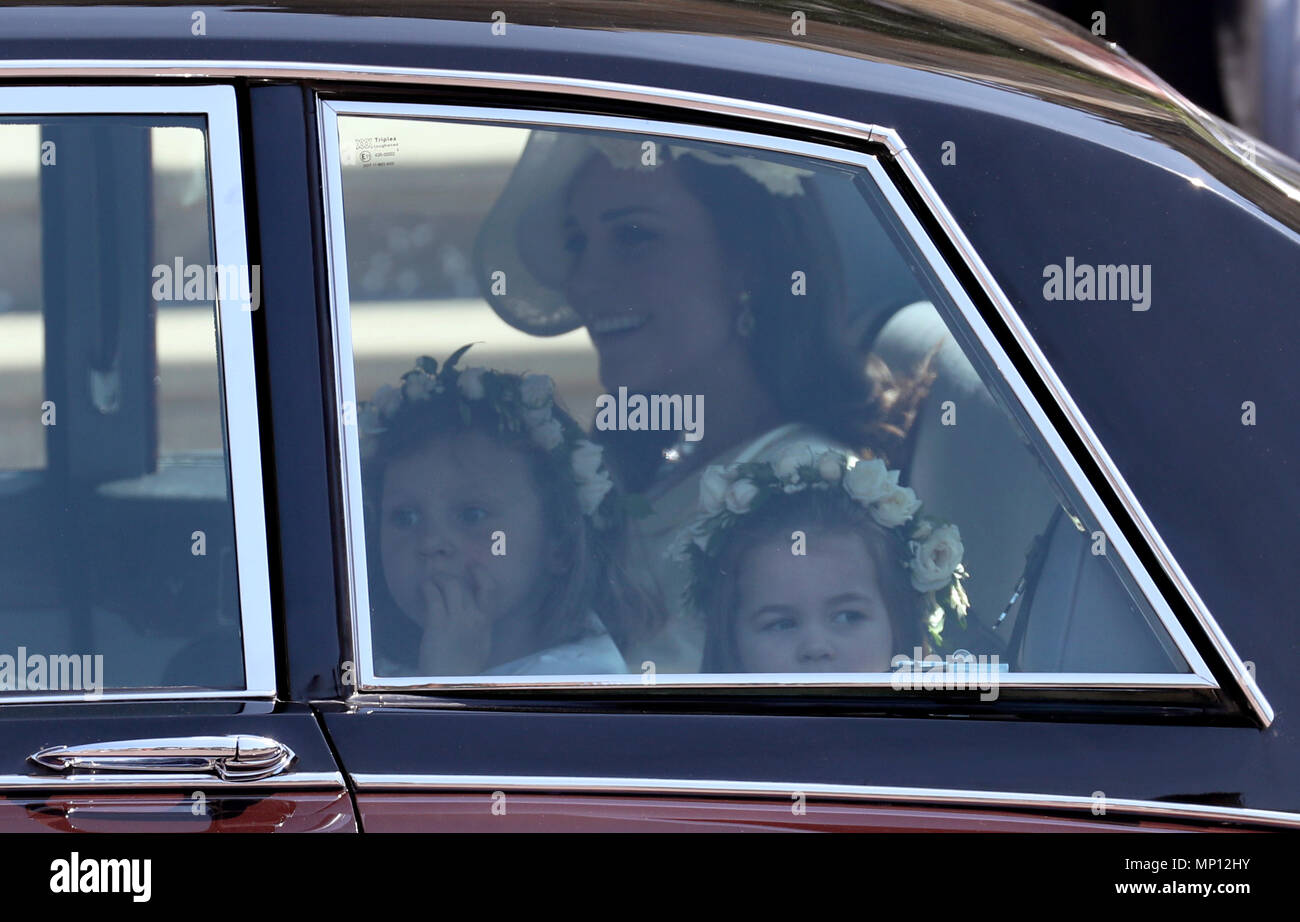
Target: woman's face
[(649, 278), (442, 506), (819, 612)]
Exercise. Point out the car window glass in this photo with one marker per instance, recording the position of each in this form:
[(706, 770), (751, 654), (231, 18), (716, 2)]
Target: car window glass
[(117, 566), (642, 405)]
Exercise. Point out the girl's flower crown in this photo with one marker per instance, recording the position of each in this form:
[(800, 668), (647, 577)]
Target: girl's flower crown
[(518, 403), (933, 549)]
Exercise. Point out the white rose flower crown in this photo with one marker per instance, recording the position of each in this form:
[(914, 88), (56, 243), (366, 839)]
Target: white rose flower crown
[(929, 549), (517, 403)]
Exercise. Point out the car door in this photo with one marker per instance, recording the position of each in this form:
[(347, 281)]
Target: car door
[(1066, 690), (139, 688)]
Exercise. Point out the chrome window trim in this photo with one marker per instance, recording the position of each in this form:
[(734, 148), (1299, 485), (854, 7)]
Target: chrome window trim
[(941, 797), (398, 689), (687, 100), (235, 359), (185, 781), (329, 112)]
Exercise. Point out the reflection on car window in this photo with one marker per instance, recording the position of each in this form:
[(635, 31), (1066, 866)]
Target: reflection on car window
[(117, 561), (637, 404)]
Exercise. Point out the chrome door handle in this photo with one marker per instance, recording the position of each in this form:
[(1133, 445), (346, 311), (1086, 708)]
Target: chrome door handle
[(231, 758)]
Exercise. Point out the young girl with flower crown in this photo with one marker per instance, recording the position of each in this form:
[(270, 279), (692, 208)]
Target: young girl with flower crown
[(495, 530), (817, 562)]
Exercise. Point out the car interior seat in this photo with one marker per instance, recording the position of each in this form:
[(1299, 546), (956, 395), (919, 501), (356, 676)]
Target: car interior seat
[(969, 464)]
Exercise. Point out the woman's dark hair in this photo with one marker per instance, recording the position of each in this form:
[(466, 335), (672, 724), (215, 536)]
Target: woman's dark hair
[(817, 514), (594, 574), (812, 376)]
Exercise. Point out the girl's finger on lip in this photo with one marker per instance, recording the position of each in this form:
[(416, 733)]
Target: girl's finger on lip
[(431, 590)]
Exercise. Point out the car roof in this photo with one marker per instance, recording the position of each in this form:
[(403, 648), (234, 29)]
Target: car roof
[(1019, 46), (1032, 59)]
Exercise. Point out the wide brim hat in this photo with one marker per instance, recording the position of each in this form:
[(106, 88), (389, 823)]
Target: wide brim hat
[(522, 237)]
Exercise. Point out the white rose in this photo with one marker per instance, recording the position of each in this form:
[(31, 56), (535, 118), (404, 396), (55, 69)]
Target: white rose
[(740, 494), (936, 559), (831, 466), (536, 390), (895, 507), (788, 464), (537, 417), (419, 387), (592, 492), (471, 382), (548, 435), (586, 460), (387, 399), (713, 490), (868, 481)]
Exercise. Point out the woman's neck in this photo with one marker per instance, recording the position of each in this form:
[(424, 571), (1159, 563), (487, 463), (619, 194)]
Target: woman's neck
[(736, 408)]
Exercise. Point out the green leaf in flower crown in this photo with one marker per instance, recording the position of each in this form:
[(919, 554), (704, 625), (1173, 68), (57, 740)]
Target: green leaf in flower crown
[(455, 356), (427, 364), (958, 601), (934, 623)]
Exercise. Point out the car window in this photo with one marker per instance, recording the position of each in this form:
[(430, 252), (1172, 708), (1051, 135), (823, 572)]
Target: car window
[(647, 403), (117, 532)]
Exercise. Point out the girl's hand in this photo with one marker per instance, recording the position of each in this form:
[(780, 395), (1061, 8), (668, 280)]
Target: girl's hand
[(457, 635)]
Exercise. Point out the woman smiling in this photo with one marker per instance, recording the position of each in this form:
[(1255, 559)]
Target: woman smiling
[(697, 270)]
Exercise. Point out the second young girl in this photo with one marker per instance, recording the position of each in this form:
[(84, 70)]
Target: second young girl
[(817, 562)]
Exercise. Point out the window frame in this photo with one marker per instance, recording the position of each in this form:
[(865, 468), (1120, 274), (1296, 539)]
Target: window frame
[(884, 174), (235, 360)]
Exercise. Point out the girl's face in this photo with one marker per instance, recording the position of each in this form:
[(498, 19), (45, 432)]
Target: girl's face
[(822, 612), (649, 277), (440, 508)]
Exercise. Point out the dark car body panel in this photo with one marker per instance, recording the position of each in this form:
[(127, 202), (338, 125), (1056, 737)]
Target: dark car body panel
[(1064, 149), (308, 796)]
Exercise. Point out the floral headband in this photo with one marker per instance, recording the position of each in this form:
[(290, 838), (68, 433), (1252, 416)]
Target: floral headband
[(518, 403), (933, 548)]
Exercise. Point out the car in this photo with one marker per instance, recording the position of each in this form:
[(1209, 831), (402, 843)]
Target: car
[(626, 416)]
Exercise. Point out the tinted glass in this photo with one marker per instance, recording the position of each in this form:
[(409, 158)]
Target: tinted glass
[(716, 417), (117, 565)]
